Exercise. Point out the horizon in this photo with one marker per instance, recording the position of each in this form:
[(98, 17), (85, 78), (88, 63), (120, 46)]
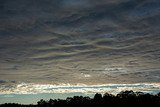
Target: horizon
[(31, 93)]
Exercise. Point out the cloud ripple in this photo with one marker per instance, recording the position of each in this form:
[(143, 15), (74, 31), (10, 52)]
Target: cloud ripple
[(57, 41)]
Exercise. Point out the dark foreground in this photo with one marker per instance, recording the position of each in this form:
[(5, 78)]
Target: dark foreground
[(123, 99)]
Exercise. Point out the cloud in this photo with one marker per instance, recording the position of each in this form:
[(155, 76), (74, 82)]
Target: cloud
[(25, 88), (38, 36), (2, 81), (7, 81)]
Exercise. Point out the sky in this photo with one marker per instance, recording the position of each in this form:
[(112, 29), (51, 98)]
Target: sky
[(53, 43)]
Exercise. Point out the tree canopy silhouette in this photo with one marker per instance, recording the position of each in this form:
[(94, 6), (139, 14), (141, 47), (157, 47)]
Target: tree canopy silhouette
[(123, 99)]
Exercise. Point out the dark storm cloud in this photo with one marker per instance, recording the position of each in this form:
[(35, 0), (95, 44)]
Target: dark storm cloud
[(43, 36)]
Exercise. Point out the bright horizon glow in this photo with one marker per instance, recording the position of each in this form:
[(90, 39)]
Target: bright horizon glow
[(32, 88)]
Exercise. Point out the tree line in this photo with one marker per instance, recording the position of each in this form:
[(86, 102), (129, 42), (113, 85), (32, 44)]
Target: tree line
[(123, 99)]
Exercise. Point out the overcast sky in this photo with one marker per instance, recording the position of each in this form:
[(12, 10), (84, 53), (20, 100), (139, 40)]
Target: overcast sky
[(79, 41)]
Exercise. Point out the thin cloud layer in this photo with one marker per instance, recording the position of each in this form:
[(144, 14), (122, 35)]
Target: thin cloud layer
[(32, 88)]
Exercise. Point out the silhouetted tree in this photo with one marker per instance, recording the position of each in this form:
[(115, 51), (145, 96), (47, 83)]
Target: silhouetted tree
[(123, 99), (158, 94), (97, 99), (42, 103)]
